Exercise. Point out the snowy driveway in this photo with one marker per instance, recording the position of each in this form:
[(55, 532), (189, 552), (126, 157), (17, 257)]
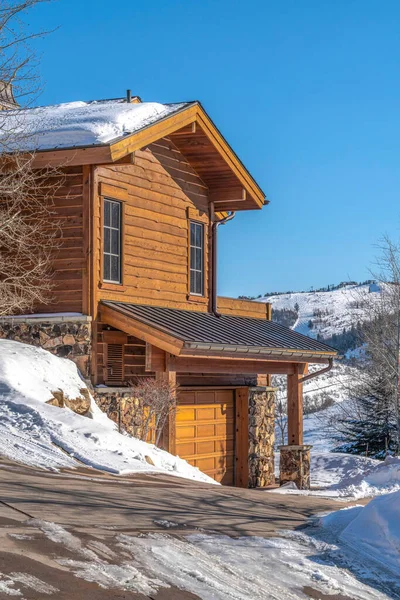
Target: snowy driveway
[(159, 537)]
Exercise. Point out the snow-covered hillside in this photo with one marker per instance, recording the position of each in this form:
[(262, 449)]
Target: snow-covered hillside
[(328, 312), (38, 434)]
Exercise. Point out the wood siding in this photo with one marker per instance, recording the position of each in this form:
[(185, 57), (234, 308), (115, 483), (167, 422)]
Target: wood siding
[(69, 265), (156, 191)]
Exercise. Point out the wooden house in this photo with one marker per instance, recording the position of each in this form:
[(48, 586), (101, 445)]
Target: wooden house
[(144, 189)]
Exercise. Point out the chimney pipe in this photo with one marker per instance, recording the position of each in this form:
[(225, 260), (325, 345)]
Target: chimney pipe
[(129, 96)]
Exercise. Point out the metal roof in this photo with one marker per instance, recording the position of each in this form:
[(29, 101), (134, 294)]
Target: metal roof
[(205, 331)]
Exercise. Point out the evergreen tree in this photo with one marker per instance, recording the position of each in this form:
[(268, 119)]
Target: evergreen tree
[(370, 426)]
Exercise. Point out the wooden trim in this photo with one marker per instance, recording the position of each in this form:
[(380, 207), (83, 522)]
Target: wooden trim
[(109, 285), (155, 358), (113, 192), (86, 274), (193, 214), (198, 299), (115, 337), (206, 365), (242, 437), (230, 157), (268, 306), (112, 287), (72, 157), (206, 261), (153, 133), (185, 117), (93, 273), (144, 332)]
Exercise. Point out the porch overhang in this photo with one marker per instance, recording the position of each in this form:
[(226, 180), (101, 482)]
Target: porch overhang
[(191, 334)]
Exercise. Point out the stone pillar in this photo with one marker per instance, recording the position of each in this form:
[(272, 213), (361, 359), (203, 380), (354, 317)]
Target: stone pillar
[(67, 336), (295, 466), (261, 436)]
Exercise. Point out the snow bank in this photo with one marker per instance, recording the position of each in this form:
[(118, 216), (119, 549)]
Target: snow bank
[(35, 433), (347, 477), (372, 530), (78, 123)]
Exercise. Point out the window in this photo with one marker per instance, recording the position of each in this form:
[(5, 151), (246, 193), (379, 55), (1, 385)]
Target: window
[(196, 258), (112, 241)]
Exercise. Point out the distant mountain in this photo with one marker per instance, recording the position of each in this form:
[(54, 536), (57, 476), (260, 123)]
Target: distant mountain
[(334, 316)]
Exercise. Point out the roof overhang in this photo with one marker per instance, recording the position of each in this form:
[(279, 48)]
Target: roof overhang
[(230, 184), (121, 318)]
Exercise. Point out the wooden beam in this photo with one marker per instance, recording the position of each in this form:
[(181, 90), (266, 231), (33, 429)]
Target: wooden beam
[(169, 432), (295, 406), (72, 157), (204, 365), (143, 332), (188, 130), (155, 358), (242, 438), (227, 195)]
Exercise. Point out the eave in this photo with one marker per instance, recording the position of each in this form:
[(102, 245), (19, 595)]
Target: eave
[(121, 318), (230, 184)]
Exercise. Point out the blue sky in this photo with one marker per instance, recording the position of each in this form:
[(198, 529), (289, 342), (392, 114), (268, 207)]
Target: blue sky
[(307, 93)]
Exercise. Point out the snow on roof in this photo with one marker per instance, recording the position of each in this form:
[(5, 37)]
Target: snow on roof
[(77, 124)]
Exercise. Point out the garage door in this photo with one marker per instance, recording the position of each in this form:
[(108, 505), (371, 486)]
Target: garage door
[(205, 432)]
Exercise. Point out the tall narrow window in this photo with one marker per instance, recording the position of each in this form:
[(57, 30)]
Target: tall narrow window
[(112, 241), (196, 258)]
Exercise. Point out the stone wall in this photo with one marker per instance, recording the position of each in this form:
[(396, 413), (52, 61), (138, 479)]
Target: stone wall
[(261, 436), (295, 466), (123, 408), (65, 336)]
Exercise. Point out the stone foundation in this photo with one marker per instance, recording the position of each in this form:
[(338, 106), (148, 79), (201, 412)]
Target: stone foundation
[(65, 336), (123, 408), (261, 436), (295, 466)]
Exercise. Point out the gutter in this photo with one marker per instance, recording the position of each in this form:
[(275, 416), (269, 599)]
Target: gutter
[(214, 251), (317, 373), (260, 351)]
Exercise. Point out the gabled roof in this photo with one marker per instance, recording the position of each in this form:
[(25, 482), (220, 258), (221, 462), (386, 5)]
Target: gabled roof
[(75, 125), (107, 131), (199, 331)]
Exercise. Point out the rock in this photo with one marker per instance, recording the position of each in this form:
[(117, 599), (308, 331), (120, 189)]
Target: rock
[(57, 400), (261, 437), (80, 405), (53, 342), (68, 340), (82, 362)]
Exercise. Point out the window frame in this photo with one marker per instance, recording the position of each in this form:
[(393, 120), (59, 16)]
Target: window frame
[(191, 268), (108, 199)]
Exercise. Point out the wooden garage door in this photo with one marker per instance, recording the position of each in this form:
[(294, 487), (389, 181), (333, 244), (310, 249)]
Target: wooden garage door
[(205, 432)]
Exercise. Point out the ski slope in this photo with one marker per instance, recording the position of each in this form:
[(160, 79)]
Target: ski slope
[(330, 312)]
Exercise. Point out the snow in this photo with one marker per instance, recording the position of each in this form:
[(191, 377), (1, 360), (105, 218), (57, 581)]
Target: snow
[(340, 308), (37, 434), (218, 567), (372, 530), (341, 476), (75, 124)]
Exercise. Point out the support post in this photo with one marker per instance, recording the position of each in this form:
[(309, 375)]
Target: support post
[(295, 457), (295, 405), (169, 434)]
